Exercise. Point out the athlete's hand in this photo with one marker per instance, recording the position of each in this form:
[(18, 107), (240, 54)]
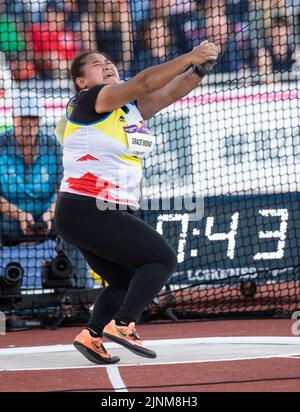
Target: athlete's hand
[(206, 51)]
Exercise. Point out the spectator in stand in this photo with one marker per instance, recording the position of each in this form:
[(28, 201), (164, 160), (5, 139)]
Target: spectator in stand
[(53, 45), (293, 13), (31, 171), (217, 30), (27, 11), (79, 21), (114, 27), (273, 37), (181, 18), (11, 41), (238, 17), (154, 46), (237, 11), (140, 13), (278, 55), (260, 33)]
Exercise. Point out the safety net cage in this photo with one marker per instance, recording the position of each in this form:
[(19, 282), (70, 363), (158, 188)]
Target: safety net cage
[(222, 182)]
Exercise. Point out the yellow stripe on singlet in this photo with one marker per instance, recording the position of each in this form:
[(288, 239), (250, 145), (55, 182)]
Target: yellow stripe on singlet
[(134, 161), (113, 127), (70, 129)]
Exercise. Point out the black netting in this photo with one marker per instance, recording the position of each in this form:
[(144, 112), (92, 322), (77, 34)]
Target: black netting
[(222, 183)]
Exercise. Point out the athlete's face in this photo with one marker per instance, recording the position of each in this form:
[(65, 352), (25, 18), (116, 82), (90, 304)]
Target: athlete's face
[(97, 70)]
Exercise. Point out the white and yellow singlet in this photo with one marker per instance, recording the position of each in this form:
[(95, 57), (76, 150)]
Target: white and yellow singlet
[(102, 153)]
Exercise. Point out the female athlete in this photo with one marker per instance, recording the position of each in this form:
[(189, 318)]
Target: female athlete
[(104, 140)]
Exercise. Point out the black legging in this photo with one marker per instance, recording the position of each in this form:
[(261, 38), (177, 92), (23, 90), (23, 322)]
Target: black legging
[(129, 254)]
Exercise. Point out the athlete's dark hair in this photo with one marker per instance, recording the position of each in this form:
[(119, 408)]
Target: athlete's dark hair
[(78, 65)]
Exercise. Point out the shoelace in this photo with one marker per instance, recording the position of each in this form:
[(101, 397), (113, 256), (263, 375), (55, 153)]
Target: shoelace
[(100, 344), (133, 332)]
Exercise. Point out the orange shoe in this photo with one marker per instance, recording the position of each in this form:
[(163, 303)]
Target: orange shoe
[(127, 336), (92, 348)]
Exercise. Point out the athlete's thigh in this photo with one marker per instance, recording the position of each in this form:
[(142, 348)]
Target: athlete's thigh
[(129, 241), (113, 273), (114, 235)]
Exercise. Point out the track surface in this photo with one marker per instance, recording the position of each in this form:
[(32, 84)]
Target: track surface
[(256, 355)]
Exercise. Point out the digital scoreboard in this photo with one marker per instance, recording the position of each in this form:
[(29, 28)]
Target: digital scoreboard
[(238, 238)]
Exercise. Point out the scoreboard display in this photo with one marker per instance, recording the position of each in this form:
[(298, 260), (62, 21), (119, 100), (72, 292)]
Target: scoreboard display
[(238, 238)]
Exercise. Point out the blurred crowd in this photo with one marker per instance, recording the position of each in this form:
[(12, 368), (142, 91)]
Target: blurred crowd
[(40, 37)]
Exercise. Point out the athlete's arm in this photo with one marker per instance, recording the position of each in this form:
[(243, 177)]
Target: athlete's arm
[(151, 79), (179, 87)]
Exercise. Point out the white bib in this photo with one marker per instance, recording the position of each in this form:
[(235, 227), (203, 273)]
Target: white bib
[(140, 141)]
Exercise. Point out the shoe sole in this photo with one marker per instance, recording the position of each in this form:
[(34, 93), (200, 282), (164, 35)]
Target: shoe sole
[(92, 356), (145, 353)]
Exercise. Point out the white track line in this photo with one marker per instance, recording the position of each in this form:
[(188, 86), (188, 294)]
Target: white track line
[(115, 378), (113, 373), (259, 340), (92, 366)]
